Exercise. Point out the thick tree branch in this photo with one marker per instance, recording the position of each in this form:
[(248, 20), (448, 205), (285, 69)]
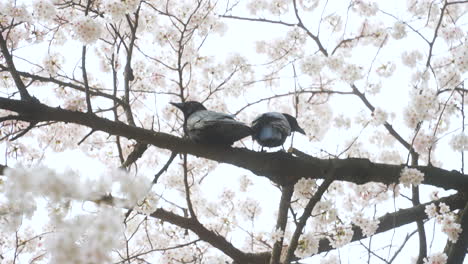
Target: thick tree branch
[(402, 217), (281, 168), (211, 237)]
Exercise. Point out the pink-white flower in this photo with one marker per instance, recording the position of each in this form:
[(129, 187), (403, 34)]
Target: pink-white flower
[(87, 29), (410, 176), (438, 258), (431, 210), (307, 245)]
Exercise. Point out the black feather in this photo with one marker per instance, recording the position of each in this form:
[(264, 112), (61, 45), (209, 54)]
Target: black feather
[(210, 127)]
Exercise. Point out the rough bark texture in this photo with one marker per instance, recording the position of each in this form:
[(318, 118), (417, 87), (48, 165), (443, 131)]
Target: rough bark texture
[(280, 167)]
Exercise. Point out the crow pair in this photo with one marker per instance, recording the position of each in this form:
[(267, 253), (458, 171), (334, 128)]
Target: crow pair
[(209, 127)]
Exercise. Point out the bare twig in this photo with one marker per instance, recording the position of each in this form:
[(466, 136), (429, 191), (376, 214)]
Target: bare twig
[(164, 168), (86, 136)]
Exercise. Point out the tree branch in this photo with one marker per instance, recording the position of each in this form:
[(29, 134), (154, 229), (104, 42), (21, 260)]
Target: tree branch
[(211, 237), (137, 152), (402, 217), (281, 168), (305, 216), (9, 60), (389, 127), (85, 79), (66, 84), (285, 202)]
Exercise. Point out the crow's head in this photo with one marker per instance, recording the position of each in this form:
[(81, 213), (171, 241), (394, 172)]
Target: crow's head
[(189, 107), (293, 123)]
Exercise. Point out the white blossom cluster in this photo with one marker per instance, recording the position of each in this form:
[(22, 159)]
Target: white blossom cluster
[(451, 33), (341, 236), (277, 235), (437, 258), (118, 9), (276, 7), (304, 188), (23, 184), (446, 219), (365, 8), (368, 226), (411, 58), (307, 245), (90, 240), (325, 213), (459, 142), (44, 10), (410, 176), (461, 57), (379, 116), (423, 106), (43, 181), (87, 238), (386, 70), (87, 29), (399, 30), (52, 63), (18, 11), (317, 124), (250, 208), (149, 204), (424, 141)]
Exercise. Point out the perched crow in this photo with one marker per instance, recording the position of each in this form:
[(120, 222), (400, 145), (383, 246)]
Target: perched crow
[(271, 129), (209, 127)]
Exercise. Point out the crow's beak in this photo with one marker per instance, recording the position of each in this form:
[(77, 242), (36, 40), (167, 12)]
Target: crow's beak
[(178, 105), (300, 130)]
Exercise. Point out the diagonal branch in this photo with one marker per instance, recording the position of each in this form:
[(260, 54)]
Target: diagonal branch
[(136, 153), (16, 77), (305, 216), (312, 36), (402, 217), (211, 237), (389, 127)]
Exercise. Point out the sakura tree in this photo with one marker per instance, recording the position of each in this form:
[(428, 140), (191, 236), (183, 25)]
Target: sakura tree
[(378, 87)]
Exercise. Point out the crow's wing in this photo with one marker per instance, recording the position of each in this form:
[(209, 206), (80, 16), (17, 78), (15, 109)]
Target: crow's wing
[(217, 128)]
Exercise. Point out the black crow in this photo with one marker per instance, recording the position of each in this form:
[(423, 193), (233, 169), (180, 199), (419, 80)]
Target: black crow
[(271, 129), (209, 127)]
